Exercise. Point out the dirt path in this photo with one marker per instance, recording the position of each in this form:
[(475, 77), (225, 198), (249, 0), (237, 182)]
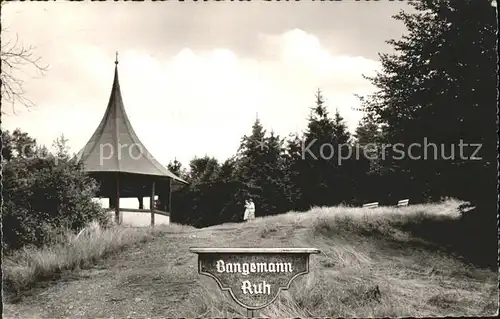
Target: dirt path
[(145, 281), (159, 279), (148, 280)]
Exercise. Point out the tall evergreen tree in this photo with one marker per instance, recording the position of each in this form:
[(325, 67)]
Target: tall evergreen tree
[(440, 87), (320, 126), (274, 179), (250, 156), (368, 142), (260, 165), (295, 168), (341, 135), (318, 152), (367, 131), (346, 165)]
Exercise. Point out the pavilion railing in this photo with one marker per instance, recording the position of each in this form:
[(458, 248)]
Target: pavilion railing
[(140, 210)]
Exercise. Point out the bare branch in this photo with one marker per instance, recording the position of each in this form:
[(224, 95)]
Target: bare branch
[(16, 57)]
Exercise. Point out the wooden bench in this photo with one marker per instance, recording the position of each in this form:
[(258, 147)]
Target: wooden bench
[(371, 205), (403, 202)]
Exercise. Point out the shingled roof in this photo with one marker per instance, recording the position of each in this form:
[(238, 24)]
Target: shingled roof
[(115, 147)]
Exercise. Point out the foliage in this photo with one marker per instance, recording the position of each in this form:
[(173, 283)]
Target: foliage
[(440, 87), (208, 204), (367, 131), (261, 165), (43, 192), (202, 170), (176, 168), (294, 165)]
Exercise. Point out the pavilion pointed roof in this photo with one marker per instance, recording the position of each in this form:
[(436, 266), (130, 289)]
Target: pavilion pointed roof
[(114, 146)]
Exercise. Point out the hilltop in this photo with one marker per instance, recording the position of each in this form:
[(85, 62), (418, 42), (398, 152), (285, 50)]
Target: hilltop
[(361, 250)]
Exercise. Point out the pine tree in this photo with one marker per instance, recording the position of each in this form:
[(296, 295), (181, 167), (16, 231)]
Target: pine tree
[(295, 177), (260, 165), (341, 135), (346, 165), (319, 156), (274, 179), (368, 143), (367, 131), (440, 86), (250, 157), (320, 125)]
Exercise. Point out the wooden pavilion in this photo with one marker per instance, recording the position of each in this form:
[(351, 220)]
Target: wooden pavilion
[(118, 160)]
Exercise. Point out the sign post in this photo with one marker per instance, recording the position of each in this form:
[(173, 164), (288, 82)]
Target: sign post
[(253, 276)]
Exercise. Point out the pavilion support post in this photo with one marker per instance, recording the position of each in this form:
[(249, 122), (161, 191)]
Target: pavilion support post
[(152, 204), (170, 197), (141, 202), (117, 202), (162, 198)]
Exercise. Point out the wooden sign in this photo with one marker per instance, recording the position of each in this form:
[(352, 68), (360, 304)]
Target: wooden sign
[(253, 276)]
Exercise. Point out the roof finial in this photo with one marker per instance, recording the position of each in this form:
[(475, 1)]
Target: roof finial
[(116, 60)]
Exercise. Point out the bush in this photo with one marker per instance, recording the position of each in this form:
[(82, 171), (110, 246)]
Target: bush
[(42, 194)]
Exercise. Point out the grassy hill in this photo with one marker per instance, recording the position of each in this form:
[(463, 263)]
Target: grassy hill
[(361, 251)]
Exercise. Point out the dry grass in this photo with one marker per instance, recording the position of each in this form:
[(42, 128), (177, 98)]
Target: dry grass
[(73, 251), (369, 265), (363, 252)]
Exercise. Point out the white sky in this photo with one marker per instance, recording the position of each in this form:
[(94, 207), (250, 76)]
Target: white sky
[(187, 98), (193, 76)]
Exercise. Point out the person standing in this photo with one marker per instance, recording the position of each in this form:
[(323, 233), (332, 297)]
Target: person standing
[(245, 215), (249, 210), (251, 206)]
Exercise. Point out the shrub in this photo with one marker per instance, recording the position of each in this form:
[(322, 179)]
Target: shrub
[(44, 193)]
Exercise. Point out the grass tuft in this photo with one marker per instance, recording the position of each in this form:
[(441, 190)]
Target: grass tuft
[(29, 265), (383, 262)]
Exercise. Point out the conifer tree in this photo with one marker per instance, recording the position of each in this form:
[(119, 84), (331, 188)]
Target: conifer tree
[(250, 157), (439, 89), (319, 156), (260, 165), (368, 143), (274, 179), (341, 135), (295, 168), (440, 86), (367, 131)]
